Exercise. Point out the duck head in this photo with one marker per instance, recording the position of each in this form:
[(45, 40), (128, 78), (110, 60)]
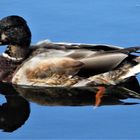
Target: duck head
[(15, 33)]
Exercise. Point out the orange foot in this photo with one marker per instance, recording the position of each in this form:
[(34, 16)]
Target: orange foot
[(99, 95)]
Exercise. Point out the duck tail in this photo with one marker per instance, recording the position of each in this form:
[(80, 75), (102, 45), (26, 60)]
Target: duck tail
[(129, 50), (133, 70), (131, 93)]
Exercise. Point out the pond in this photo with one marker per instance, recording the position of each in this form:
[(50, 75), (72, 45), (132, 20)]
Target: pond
[(42, 113)]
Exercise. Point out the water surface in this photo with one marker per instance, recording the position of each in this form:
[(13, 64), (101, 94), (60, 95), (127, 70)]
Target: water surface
[(92, 21)]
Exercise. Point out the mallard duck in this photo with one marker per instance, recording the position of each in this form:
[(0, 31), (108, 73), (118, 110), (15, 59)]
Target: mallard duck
[(61, 64)]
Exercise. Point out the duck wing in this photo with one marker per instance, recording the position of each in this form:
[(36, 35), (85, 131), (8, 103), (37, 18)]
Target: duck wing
[(104, 61), (92, 55), (66, 45), (97, 58)]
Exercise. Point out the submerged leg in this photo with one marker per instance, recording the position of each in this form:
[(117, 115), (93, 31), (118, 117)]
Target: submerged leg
[(99, 95)]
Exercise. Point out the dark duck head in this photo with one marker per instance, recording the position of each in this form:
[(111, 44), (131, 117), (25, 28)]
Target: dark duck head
[(15, 33)]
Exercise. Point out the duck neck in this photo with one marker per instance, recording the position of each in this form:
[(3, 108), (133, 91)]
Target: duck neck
[(16, 52)]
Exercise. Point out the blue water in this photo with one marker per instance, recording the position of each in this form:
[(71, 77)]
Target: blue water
[(93, 21)]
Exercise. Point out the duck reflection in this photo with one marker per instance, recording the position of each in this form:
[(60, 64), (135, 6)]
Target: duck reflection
[(15, 111), (82, 96), (74, 96)]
